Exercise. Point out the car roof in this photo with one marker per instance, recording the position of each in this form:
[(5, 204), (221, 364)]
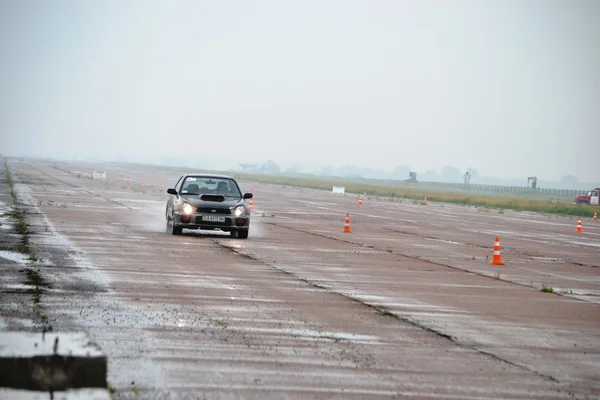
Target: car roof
[(217, 176)]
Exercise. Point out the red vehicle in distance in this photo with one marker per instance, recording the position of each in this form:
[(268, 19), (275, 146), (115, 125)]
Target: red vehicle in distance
[(590, 198)]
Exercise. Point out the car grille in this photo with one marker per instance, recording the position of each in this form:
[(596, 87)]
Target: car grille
[(208, 210)]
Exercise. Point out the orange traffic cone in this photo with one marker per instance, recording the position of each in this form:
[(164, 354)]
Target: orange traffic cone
[(497, 258), (251, 204), (595, 217), (360, 200), (579, 228), (160, 188), (425, 201), (347, 224)]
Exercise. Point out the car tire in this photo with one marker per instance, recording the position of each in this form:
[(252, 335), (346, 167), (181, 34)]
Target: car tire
[(242, 234), (173, 230)]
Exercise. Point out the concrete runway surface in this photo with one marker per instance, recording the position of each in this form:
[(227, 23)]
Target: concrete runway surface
[(406, 305)]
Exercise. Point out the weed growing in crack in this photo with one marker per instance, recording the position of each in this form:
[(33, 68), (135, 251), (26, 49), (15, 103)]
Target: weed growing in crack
[(21, 225), (33, 255), (23, 248), (546, 288), (10, 181), (36, 294), (35, 278), (19, 215), (43, 318), (38, 283)]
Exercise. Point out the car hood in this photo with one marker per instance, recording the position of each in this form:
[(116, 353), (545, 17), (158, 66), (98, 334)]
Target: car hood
[(209, 201)]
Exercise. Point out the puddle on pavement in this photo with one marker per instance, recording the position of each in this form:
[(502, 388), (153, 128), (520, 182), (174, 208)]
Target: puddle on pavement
[(583, 243), (21, 322), (549, 259), (14, 256), (308, 333), (393, 303), (447, 241), (18, 286), (5, 220), (56, 240), (492, 233), (576, 292), (372, 216), (131, 200)]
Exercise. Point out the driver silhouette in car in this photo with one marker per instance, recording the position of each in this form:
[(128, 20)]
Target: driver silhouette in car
[(222, 188)]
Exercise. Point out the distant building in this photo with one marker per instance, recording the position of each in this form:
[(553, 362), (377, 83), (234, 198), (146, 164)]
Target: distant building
[(268, 168), (252, 167), (412, 177)]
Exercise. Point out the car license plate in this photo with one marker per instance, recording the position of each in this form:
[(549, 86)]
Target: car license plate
[(212, 218)]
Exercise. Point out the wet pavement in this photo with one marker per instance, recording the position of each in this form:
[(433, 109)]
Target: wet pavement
[(405, 305)]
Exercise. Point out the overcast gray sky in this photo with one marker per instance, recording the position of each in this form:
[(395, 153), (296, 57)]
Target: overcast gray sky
[(511, 87)]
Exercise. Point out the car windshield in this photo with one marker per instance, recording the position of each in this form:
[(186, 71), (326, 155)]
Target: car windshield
[(199, 185)]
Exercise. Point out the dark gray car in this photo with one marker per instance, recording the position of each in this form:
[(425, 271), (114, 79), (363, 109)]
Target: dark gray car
[(208, 202)]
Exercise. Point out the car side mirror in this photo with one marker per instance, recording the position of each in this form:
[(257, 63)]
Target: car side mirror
[(248, 195), (172, 191)]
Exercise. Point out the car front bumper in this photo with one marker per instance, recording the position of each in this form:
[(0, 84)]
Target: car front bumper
[(226, 222)]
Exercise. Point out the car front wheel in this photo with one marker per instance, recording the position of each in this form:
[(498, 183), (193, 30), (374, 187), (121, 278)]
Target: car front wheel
[(173, 230)]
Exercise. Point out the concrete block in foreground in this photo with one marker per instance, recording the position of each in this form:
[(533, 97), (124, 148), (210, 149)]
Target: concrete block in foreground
[(54, 361), (73, 394)]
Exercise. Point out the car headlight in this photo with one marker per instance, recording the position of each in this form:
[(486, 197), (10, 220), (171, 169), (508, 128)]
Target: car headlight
[(187, 208), (239, 210)]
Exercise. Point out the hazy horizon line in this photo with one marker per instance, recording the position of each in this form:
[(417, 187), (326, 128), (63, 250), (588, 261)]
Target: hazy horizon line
[(507, 180)]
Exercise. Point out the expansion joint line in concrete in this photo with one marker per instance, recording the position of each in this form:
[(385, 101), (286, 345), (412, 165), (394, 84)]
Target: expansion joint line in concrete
[(416, 258), (80, 188), (382, 310)]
